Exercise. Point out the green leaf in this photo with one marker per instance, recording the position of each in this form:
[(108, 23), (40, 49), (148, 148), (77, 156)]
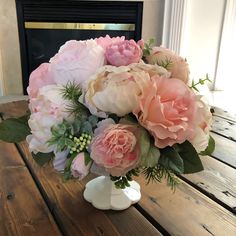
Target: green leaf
[(152, 157), (42, 158), (93, 120), (192, 162), (14, 130), (210, 148), (171, 159), (87, 158), (144, 143)]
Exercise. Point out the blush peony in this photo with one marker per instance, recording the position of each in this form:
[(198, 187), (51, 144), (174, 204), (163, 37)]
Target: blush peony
[(178, 66), (77, 61), (123, 53), (167, 108), (115, 90), (115, 147), (40, 77), (104, 42)]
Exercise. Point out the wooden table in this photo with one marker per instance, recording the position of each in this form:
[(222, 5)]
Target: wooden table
[(35, 201)]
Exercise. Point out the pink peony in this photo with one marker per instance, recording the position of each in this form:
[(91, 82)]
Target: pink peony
[(115, 147), (178, 66), (123, 53), (40, 77), (76, 61), (168, 109), (104, 42), (78, 167)]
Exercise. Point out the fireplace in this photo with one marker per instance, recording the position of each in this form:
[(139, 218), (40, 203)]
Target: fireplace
[(44, 25)]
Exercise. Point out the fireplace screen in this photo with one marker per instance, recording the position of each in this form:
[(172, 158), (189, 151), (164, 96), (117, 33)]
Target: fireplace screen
[(46, 25)]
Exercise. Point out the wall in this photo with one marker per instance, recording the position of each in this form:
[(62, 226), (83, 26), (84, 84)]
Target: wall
[(201, 37), (10, 71)]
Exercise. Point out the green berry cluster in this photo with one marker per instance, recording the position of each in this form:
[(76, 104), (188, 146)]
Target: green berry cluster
[(80, 143)]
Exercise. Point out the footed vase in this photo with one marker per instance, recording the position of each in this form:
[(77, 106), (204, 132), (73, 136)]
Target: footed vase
[(102, 194)]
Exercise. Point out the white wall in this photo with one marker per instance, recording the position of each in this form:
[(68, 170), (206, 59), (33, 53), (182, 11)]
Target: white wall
[(201, 37), (153, 12), (10, 71)]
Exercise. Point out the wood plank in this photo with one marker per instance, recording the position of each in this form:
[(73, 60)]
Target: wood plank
[(187, 211), (224, 127), (22, 209), (225, 150), (67, 203), (217, 179), (14, 109), (224, 114), (79, 217)]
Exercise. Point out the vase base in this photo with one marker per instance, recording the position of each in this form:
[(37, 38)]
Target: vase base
[(103, 195)]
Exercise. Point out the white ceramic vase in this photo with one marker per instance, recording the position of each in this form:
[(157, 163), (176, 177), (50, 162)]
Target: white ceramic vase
[(103, 194)]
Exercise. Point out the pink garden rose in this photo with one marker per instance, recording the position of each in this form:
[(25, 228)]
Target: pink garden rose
[(40, 77), (78, 167), (76, 61), (115, 147), (123, 53), (168, 109), (178, 66), (104, 42)]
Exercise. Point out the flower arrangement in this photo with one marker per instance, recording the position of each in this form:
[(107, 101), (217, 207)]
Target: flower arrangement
[(117, 108)]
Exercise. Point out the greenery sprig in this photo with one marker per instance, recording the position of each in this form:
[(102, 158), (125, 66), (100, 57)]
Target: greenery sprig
[(148, 47), (123, 181), (158, 172), (200, 81)]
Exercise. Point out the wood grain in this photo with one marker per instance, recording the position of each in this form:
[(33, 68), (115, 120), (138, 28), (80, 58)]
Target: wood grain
[(79, 217), (224, 127), (217, 179), (186, 212), (225, 150), (22, 209), (224, 114)]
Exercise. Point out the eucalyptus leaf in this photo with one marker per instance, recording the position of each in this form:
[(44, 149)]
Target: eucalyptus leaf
[(171, 159), (14, 130), (210, 148), (192, 162), (43, 158), (87, 128), (93, 120)]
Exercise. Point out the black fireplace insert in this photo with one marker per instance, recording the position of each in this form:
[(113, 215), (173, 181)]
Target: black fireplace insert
[(44, 25)]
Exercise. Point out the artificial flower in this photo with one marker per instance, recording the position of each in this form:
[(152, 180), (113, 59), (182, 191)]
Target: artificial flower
[(173, 63), (168, 110), (115, 147), (76, 61)]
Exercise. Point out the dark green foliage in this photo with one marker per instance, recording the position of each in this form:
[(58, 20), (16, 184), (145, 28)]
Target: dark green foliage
[(123, 181), (192, 162), (14, 130), (42, 158)]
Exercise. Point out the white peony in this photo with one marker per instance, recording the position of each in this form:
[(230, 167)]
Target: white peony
[(115, 90), (48, 109)]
